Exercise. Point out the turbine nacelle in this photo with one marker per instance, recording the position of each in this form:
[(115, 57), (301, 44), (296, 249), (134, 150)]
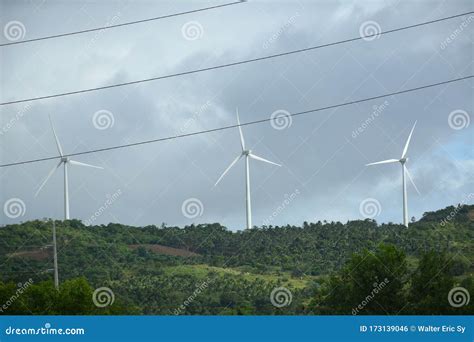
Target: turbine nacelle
[(405, 172), (63, 161), (248, 154)]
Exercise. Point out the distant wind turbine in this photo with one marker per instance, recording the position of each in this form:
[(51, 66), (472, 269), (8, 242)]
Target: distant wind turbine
[(247, 154), (405, 171), (65, 161)]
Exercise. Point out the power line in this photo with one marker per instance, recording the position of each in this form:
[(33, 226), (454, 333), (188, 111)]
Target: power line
[(231, 64), (242, 124), (120, 25)]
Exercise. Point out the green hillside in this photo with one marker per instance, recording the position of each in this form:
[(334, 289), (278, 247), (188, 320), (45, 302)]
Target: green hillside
[(207, 269)]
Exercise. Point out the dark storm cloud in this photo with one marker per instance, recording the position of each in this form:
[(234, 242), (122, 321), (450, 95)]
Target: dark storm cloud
[(323, 160)]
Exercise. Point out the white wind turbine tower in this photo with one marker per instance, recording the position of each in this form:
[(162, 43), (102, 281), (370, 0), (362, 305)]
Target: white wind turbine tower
[(405, 172), (247, 154), (63, 161)]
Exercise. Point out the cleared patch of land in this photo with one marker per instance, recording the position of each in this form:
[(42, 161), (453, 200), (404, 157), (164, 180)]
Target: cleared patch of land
[(203, 271), (39, 254), (160, 249)]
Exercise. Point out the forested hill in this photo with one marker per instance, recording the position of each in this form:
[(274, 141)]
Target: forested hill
[(164, 264), (313, 248)]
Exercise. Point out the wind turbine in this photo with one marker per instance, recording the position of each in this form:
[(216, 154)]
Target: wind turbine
[(247, 154), (405, 173), (63, 161)]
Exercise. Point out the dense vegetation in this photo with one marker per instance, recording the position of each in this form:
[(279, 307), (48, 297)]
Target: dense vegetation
[(326, 267)]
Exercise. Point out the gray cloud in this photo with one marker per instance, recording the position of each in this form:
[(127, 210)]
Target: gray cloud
[(321, 158)]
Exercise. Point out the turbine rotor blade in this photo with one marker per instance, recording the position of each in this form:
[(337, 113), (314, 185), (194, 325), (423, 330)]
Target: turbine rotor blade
[(47, 178), (73, 162), (384, 162), (405, 149), (253, 156), (60, 150), (228, 168), (411, 180), (242, 142)]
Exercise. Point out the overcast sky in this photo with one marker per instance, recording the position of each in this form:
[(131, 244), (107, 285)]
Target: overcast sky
[(323, 154)]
